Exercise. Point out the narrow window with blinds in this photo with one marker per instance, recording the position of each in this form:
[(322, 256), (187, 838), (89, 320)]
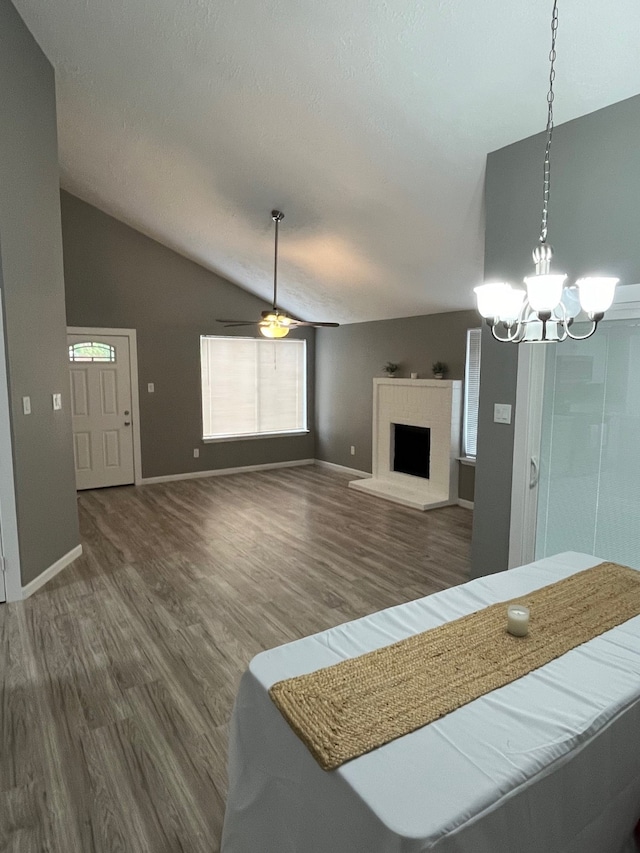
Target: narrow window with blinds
[(252, 387), (471, 393)]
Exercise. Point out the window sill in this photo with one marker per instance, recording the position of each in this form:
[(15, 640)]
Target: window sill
[(252, 436), (467, 460)]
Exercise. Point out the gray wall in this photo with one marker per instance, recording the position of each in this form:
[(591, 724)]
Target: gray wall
[(117, 277), (33, 294), (594, 226), (349, 357)]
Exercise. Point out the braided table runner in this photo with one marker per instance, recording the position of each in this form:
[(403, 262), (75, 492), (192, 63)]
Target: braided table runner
[(348, 709)]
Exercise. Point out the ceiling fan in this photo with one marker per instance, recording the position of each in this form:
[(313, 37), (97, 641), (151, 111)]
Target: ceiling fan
[(275, 323)]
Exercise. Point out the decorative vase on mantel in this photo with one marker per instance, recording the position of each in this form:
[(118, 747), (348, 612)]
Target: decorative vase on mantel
[(391, 369)]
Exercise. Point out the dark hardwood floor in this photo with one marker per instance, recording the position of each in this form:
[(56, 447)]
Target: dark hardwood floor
[(118, 677)]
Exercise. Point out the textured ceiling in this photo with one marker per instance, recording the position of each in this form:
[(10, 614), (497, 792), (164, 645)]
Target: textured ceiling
[(366, 121)]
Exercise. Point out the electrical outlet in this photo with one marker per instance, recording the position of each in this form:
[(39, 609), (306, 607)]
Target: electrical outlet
[(353, 450), (151, 387), (57, 402), (26, 405), (196, 453)]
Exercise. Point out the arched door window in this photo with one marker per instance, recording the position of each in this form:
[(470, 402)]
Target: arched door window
[(92, 351)]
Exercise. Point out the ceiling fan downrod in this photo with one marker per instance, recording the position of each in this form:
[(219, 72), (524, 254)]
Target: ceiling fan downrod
[(277, 217)]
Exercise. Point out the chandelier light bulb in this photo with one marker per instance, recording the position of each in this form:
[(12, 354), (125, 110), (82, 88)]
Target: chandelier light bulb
[(544, 292), (491, 298), (596, 293), (512, 307)]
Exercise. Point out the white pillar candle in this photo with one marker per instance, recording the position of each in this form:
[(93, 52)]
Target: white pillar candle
[(414, 375), (518, 620)]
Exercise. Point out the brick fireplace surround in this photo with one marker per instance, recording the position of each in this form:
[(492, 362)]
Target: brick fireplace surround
[(432, 403)]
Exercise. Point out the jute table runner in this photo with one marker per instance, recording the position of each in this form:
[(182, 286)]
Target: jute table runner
[(345, 710)]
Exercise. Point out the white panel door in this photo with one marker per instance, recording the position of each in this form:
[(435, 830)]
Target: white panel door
[(101, 410)]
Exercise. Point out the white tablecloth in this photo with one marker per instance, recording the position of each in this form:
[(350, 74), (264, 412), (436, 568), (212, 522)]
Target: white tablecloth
[(548, 763)]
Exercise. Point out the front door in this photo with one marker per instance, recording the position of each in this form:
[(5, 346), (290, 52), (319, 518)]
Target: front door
[(101, 410)]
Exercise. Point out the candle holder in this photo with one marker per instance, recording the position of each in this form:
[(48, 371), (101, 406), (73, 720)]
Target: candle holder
[(518, 620)]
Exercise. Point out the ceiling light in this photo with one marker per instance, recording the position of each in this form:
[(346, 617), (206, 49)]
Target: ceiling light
[(275, 325), (548, 308)]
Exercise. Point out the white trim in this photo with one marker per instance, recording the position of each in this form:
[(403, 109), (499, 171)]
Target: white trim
[(467, 460), (9, 546), (465, 504), (221, 472), (135, 397), (335, 467), (51, 572), (625, 303)]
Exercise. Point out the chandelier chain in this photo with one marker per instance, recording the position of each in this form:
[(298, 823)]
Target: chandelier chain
[(546, 186)]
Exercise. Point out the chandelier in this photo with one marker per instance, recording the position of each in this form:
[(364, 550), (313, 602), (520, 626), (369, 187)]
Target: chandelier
[(546, 310)]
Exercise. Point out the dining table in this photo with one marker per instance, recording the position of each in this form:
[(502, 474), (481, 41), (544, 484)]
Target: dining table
[(548, 763)]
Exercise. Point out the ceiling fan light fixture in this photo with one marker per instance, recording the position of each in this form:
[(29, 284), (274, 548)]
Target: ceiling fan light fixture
[(275, 325)]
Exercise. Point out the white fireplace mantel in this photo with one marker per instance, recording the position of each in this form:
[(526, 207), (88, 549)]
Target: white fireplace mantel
[(429, 403)]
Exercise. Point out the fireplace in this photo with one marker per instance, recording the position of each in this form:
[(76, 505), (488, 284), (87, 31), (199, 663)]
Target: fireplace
[(416, 439), (412, 450)]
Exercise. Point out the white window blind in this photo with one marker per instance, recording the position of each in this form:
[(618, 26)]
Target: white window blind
[(471, 393), (252, 386)]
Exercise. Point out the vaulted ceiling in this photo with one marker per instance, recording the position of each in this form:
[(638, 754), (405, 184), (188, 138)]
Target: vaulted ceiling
[(366, 121)]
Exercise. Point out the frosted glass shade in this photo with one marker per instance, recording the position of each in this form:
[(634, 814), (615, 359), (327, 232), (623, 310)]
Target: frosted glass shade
[(544, 291), (275, 326), (596, 293), (513, 299), (491, 298)]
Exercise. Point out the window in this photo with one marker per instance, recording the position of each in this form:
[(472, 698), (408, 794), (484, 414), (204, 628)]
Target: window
[(252, 387), (92, 351), (471, 393)]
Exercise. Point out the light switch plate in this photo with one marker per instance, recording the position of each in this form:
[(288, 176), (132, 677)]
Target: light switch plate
[(26, 405), (151, 387), (57, 401), (501, 413)]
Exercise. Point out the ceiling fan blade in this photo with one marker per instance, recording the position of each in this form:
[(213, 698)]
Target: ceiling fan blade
[(311, 323), (229, 323)]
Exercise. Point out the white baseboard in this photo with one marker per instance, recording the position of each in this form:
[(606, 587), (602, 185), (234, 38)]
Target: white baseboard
[(52, 571), (221, 472), (465, 504), (335, 467)]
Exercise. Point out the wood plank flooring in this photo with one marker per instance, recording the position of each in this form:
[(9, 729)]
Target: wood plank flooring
[(118, 677)]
